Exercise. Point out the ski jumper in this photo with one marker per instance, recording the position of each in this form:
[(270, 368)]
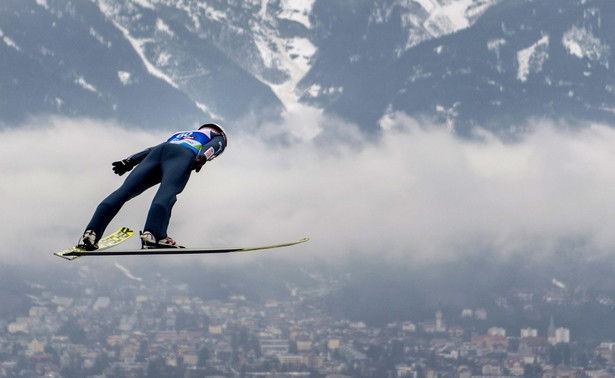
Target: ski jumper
[(168, 164)]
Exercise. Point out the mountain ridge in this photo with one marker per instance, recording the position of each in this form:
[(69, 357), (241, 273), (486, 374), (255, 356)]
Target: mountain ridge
[(461, 63)]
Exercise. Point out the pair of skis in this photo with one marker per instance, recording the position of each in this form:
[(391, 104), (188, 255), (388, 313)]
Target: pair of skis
[(126, 233)]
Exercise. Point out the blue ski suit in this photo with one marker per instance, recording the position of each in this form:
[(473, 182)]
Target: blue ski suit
[(168, 164)]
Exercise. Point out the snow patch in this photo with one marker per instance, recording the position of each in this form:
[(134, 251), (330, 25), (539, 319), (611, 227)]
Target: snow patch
[(268, 56), (43, 3), (99, 38), (452, 16), (296, 10), (531, 59), (80, 80), (291, 55), (455, 14), (207, 110), (495, 45), (607, 109), (428, 5), (316, 91), (144, 4), (212, 13), (263, 11), (138, 46), (163, 59), (558, 283), (296, 61), (418, 73), (449, 115), (300, 51), (59, 102), (162, 27), (9, 42), (106, 8), (439, 17), (127, 272), (125, 77), (582, 43)]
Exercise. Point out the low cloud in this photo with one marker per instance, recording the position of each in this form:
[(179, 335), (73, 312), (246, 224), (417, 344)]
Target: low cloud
[(416, 193)]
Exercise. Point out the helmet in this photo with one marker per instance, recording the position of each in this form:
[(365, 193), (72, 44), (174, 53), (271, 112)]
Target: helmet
[(218, 128)]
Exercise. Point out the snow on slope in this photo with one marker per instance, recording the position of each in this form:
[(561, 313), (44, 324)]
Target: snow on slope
[(297, 10), (8, 41), (127, 272), (291, 55), (448, 18), (426, 19), (531, 59), (581, 42), (249, 33), (452, 16), (288, 55), (138, 46)]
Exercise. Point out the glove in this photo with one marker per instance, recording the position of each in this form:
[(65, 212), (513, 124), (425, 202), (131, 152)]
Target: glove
[(123, 166), (199, 162)]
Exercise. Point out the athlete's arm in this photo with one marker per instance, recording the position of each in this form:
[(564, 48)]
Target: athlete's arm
[(213, 148), (123, 166), (208, 152)]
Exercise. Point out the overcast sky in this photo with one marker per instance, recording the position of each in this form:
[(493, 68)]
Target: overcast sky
[(418, 193)]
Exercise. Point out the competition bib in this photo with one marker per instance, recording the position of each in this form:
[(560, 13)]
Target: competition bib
[(192, 139)]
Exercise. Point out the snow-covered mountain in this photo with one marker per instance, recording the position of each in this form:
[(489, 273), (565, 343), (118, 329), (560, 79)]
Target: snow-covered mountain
[(520, 60), (172, 62)]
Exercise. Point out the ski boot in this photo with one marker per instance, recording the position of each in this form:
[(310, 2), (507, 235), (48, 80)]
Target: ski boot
[(88, 241), (148, 241)]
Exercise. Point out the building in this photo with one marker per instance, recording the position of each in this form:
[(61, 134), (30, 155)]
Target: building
[(562, 335), (491, 369), (480, 314), (496, 331), (515, 365), (490, 341), (440, 326), (274, 347), (436, 325), (405, 371), (467, 313), (606, 351), (536, 346), (291, 359), (215, 329), (36, 346), (333, 344), (529, 332), (351, 355), (304, 345), (551, 332)]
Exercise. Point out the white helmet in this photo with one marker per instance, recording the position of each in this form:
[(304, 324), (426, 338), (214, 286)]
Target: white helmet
[(218, 128)]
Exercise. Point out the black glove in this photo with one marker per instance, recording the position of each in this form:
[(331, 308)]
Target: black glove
[(123, 166), (199, 162)]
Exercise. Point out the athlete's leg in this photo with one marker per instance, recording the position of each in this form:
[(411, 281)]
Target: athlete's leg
[(176, 168), (144, 176)]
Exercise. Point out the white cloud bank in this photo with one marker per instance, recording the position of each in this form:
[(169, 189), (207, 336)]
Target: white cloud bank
[(415, 194)]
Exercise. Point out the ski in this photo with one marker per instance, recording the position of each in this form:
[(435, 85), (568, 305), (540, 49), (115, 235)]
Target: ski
[(174, 251), (107, 242)]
